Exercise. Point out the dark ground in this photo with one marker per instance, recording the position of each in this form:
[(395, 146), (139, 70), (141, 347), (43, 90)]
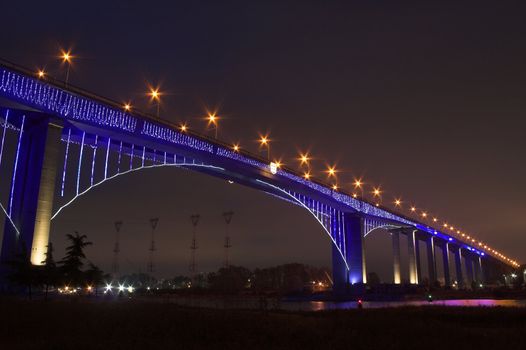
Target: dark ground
[(76, 324)]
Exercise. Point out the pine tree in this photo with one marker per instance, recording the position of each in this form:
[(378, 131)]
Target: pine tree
[(71, 265), (49, 270)]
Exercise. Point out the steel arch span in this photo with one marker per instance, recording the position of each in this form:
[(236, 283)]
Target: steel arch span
[(69, 141)]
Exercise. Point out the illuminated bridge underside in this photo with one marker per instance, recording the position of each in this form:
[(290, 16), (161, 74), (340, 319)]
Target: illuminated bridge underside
[(101, 142)]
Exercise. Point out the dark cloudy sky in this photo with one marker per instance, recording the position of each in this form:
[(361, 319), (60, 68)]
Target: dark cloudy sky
[(426, 98)]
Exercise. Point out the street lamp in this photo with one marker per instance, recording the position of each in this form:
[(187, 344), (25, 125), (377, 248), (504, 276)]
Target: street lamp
[(66, 57), (155, 95), (212, 120), (377, 193), (358, 185), (264, 141), (41, 73)]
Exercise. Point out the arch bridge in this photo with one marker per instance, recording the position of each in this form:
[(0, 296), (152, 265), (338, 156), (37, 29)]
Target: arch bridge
[(66, 141)]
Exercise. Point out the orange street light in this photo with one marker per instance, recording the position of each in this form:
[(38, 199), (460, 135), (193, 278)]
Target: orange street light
[(41, 73), (264, 141), (331, 171), (155, 95), (212, 120), (67, 58)]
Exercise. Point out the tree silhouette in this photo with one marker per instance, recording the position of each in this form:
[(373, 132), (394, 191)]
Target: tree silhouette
[(71, 265), (23, 273), (49, 271), (94, 276)]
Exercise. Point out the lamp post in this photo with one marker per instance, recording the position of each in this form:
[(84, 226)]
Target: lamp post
[(67, 58), (264, 141), (155, 96), (212, 120)]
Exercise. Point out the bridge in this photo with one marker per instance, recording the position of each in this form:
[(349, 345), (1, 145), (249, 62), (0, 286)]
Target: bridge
[(66, 141)]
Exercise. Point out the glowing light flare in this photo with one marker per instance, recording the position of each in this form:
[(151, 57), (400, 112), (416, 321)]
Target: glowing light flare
[(41, 73), (331, 170), (155, 94), (66, 56), (398, 202), (183, 127), (304, 158), (212, 118), (264, 140), (236, 147), (413, 209), (307, 175), (127, 107)]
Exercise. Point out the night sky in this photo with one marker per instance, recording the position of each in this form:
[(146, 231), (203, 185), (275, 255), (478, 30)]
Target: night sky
[(425, 98)]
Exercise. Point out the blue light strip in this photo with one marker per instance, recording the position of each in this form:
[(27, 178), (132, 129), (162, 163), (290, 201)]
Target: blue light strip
[(65, 164), (45, 97), (119, 161), (131, 156), (3, 135), (80, 160), (16, 165), (93, 159), (143, 153), (107, 155)]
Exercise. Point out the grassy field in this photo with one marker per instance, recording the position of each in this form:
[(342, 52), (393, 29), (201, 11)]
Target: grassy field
[(78, 324)]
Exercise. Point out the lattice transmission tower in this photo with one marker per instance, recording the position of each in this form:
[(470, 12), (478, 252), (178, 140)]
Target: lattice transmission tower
[(116, 249), (152, 249), (194, 218), (228, 218)]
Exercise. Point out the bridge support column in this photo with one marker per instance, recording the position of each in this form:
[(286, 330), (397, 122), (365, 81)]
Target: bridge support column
[(396, 257), (417, 259), (469, 269), (355, 248), (431, 262), (458, 267), (411, 250), (478, 269), (445, 263), (352, 247), (33, 190)]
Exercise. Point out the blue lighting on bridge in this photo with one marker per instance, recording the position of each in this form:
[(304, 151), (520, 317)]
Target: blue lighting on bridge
[(45, 97), (16, 165)]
